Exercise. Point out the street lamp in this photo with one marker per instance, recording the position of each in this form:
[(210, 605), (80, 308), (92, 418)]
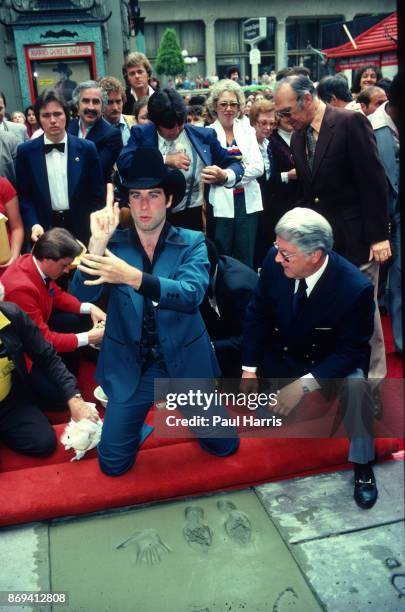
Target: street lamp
[(187, 59)]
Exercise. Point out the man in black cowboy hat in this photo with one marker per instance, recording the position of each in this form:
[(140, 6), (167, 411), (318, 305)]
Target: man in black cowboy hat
[(158, 275), (65, 85)]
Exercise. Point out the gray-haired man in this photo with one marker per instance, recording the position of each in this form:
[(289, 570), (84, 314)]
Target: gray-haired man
[(91, 101), (310, 320)]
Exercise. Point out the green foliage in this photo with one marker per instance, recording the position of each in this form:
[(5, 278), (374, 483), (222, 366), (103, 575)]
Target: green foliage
[(169, 60)]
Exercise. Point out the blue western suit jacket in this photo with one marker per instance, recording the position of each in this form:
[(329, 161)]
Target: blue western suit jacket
[(108, 141), (204, 140), (328, 338), (182, 269), (85, 184)]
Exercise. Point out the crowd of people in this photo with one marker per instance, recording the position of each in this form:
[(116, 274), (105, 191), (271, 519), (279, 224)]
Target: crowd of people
[(240, 232)]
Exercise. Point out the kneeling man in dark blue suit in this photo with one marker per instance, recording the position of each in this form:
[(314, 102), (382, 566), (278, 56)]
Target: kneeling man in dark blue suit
[(310, 320), (158, 275)]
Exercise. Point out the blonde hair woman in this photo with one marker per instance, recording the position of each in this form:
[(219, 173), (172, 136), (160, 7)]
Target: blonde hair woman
[(236, 210)]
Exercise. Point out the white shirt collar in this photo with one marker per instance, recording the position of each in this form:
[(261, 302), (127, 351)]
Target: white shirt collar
[(150, 92), (47, 141), (43, 276), (313, 278), (380, 118)]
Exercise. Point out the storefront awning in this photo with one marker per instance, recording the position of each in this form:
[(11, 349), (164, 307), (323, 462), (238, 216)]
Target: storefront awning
[(377, 45)]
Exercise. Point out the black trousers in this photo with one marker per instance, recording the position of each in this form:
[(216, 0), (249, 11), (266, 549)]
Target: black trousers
[(23, 426), (47, 393), (189, 218)]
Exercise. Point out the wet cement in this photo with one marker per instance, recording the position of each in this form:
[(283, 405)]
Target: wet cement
[(213, 554)]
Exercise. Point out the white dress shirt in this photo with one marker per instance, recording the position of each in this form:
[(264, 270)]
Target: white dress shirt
[(307, 380), (150, 92), (56, 167), (192, 175)]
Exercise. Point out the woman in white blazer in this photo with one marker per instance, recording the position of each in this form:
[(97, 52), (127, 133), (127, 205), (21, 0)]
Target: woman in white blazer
[(236, 210)]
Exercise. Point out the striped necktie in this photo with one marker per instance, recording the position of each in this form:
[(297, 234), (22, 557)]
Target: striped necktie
[(311, 145)]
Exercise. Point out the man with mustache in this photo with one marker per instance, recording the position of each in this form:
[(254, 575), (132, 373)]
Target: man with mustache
[(91, 101)]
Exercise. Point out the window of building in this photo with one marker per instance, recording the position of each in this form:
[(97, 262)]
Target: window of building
[(302, 33), (232, 51)]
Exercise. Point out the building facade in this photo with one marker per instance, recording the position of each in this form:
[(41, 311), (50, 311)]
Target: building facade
[(57, 43)]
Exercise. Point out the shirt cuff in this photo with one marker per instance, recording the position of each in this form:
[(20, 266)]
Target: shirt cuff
[(249, 369), (150, 287), (85, 307), (284, 177), (309, 382), (231, 178), (82, 339)]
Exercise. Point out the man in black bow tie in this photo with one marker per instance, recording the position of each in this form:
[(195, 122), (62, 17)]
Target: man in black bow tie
[(59, 177)]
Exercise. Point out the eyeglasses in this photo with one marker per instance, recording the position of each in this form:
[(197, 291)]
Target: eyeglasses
[(284, 113), (232, 105), (265, 123), (286, 256)]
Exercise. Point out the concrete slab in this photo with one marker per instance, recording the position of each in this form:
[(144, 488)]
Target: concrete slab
[(357, 571), (323, 505), (24, 563), (214, 554)]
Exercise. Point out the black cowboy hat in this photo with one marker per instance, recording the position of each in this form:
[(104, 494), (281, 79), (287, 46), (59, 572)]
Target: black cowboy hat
[(148, 170)]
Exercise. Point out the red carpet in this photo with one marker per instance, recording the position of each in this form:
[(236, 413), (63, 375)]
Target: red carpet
[(37, 489), (395, 363)]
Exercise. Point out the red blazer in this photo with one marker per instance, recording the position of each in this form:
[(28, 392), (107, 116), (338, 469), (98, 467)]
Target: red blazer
[(25, 287)]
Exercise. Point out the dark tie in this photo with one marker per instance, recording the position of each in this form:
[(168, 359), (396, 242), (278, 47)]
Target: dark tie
[(300, 297), (59, 146), (270, 154), (47, 282), (311, 144)]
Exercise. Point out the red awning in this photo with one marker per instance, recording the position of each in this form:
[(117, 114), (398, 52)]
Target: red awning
[(381, 38)]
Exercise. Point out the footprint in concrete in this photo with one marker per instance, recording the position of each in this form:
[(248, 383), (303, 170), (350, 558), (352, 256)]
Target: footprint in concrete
[(392, 563), (285, 600), (196, 533), (237, 524), (148, 546), (285, 502), (398, 581)]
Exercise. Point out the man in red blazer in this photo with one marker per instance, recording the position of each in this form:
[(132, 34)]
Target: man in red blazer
[(30, 283), (340, 176)]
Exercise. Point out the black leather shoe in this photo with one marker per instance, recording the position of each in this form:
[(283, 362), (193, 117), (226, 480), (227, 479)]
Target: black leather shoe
[(365, 488)]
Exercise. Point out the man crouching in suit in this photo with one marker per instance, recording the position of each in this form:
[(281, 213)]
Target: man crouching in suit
[(157, 276), (311, 320)]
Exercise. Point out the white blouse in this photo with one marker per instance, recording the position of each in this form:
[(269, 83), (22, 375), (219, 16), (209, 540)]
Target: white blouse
[(220, 197)]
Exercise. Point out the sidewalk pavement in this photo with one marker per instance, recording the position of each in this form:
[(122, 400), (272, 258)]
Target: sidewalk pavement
[(299, 544)]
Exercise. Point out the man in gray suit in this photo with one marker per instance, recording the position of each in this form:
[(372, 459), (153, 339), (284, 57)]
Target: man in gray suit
[(8, 155), (18, 129)]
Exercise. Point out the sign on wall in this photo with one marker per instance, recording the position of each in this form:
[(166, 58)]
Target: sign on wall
[(59, 67), (254, 30)]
